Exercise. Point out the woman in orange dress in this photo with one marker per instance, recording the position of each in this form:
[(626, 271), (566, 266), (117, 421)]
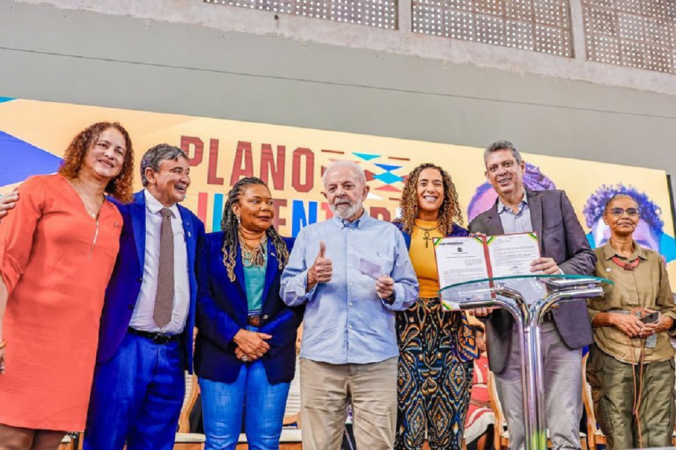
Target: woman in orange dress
[(58, 246)]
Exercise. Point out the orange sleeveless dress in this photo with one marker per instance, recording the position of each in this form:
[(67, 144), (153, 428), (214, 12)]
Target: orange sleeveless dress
[(56, 262)]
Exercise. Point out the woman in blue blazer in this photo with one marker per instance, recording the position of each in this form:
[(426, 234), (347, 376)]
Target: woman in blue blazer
[(246, 343)]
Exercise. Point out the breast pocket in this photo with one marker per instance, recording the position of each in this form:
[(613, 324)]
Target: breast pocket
[(385, 259)]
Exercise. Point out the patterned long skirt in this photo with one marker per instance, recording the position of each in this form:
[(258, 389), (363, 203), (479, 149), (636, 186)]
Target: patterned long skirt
[(437, 350)]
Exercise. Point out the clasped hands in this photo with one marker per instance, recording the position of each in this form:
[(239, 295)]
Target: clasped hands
[(251, 344), (321, 271), (632, 326)]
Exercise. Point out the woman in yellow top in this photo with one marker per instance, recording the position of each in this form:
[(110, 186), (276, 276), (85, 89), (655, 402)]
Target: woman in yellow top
[(437, 348), (631, 363)]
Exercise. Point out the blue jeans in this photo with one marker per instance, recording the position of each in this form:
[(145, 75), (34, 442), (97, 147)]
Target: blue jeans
[(137, 397), (223, 405)]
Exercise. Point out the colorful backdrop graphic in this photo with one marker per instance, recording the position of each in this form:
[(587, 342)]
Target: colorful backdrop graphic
[(34, 135)]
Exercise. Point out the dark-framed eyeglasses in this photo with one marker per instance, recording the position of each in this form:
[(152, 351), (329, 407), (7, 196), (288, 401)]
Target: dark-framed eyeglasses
[(618, 212)]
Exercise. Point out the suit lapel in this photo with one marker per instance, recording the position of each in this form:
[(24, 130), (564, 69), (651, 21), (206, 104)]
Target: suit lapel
[(239, 276), (270, 270), (189, 235), (138, 225), (535, 207), (493, 223)]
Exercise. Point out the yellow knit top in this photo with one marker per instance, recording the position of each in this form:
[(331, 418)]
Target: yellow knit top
[(422, 256)]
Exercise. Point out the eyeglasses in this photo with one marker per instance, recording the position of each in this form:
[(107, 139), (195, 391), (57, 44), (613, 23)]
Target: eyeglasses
[(618, 212)]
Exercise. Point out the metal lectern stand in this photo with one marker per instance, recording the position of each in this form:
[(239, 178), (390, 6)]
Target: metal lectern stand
[(527, 298)]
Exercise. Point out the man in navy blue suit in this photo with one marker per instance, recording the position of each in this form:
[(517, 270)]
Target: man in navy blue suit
[(149, 314)]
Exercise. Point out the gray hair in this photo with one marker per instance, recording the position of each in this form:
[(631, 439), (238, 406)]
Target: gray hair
[(156, 155), (356, 169), (502, 145)]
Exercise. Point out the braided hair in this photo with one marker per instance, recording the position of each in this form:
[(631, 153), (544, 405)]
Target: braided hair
[(449, 212), (230, 227)]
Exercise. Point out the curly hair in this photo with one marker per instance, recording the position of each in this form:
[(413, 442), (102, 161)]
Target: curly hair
[(121, 187), (230, 227), (449, 212), (598, 202)]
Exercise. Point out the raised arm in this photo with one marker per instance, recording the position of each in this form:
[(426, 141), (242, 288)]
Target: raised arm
[(404, 277), (295, 287)]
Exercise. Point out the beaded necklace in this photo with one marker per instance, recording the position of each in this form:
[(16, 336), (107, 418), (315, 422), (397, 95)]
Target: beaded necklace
[(253, 256)]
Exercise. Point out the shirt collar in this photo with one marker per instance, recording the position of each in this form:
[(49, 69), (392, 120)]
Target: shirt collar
[(503, 208), (154, 206), (609, 252), (359, 223)]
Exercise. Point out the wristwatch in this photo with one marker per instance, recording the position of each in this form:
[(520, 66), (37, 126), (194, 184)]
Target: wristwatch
[(389, 300)]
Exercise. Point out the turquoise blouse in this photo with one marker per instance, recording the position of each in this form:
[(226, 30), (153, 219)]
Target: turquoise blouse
[(254, 281)]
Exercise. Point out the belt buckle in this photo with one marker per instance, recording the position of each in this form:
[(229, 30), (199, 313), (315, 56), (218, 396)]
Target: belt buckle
[(254, 320), (160, 338)]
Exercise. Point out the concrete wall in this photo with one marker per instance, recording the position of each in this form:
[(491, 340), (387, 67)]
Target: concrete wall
[(78, 56)]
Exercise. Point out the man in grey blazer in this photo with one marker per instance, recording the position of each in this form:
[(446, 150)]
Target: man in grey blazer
[(564, 249)]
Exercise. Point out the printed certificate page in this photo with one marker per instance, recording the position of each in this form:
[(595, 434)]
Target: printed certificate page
[(512, 254), (460, 259)]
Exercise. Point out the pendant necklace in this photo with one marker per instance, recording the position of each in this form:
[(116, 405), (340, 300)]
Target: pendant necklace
[(89, 213), (426, 234)]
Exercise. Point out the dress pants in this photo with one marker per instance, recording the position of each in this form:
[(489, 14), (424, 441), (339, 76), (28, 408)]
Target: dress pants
[(325, 390), (137, 397), (562, 371)]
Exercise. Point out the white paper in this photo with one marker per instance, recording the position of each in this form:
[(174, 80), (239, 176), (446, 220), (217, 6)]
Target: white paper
[(370, 269), (459, 259), (463, 259), (512, 254)]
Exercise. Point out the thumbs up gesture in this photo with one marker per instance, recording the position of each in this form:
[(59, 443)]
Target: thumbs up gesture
[(321, 270)]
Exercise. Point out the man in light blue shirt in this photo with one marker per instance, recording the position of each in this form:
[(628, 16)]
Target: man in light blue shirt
[(353, 272)]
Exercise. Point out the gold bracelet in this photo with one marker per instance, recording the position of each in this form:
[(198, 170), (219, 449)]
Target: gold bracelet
[(3, 344)]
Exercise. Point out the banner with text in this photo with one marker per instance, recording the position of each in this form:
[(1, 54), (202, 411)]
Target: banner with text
[(34, 135)]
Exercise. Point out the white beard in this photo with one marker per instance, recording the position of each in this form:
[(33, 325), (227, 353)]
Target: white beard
[(345, 213)]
